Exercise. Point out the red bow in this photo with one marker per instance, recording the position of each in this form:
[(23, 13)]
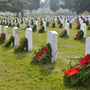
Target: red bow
[(84, 61)]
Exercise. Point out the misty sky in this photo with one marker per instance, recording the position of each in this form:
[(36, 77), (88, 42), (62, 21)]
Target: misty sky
[(42, 0)]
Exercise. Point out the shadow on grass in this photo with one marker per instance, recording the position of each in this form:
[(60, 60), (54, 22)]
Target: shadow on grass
[(6, 49), (46, 70), (87, 87), (21, 55), (1, 43), (83, 40), (18, 55), (65, 37)]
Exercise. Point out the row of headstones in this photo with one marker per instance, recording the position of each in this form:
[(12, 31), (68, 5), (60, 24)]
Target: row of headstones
[(52, 37), (85, 18), (28, 20), (82, 27)]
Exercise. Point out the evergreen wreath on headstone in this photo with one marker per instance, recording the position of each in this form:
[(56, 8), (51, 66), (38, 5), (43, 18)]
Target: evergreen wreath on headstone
[(43, 56), (80, 74)]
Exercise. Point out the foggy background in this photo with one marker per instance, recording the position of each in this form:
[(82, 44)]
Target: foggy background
[(28, 7)]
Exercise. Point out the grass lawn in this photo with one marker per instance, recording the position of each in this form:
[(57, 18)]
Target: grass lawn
[(17, 72)]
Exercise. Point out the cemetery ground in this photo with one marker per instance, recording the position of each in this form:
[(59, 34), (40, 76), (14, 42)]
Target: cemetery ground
[(17, 72)]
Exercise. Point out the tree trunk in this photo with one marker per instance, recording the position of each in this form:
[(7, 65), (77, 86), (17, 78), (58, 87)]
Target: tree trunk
[(22, 14), (17, 14)]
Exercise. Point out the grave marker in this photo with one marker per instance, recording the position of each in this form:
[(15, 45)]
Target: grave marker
[(6, 32), (52, 37), (15, 35), (88, 46), (29, 38)]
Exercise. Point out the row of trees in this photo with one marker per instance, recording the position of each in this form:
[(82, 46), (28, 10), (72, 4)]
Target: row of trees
[(81, 5), (76, 5), (14, 5), (18, 5)]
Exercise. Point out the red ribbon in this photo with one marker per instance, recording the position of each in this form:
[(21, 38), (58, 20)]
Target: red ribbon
[(84, 61)]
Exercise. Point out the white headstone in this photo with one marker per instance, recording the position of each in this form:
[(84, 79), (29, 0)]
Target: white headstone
[(36, 23), (55, 21), (44, 24), (84, 30), (29, 23), (29, 38), (67, 28), (62, 22), (6, 32), (0, 29), (24, 25), (81, 26), (89, 20), (15, 22), (0, 20), (88, 46), (19, 23), (5, 21), (52, 37), (15, 35)]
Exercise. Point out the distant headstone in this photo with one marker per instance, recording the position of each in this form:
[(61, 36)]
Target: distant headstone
[(6, 32), (81, 26), (29, 23), (36, 23), (67, 28), (15, 22), (52, 37), (84, 30), (15, 35), (24, 25), (29, 38), (19, 23), (0, 29), (88, 46), (44, 24)]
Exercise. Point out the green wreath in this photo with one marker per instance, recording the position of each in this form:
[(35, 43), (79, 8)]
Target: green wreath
[(63, 34), (11, 41), (81, 78), (23, 46), (43, 56)]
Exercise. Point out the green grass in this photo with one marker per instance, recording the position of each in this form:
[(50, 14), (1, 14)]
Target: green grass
[(17, 72)]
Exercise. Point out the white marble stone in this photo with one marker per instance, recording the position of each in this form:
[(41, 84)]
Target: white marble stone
[(89, 20), (15, 35), (15, 22), (67, 28), (5, 21), (29, 23), (36, 23), (19, 23), (81, 26), (0, 29), (88, 46), (55, 21), (62, 22), (11, 21), (29, 38), (52, 37), (84, 30), (44, 24), (0, 20), (24, 25), (6, 32)]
